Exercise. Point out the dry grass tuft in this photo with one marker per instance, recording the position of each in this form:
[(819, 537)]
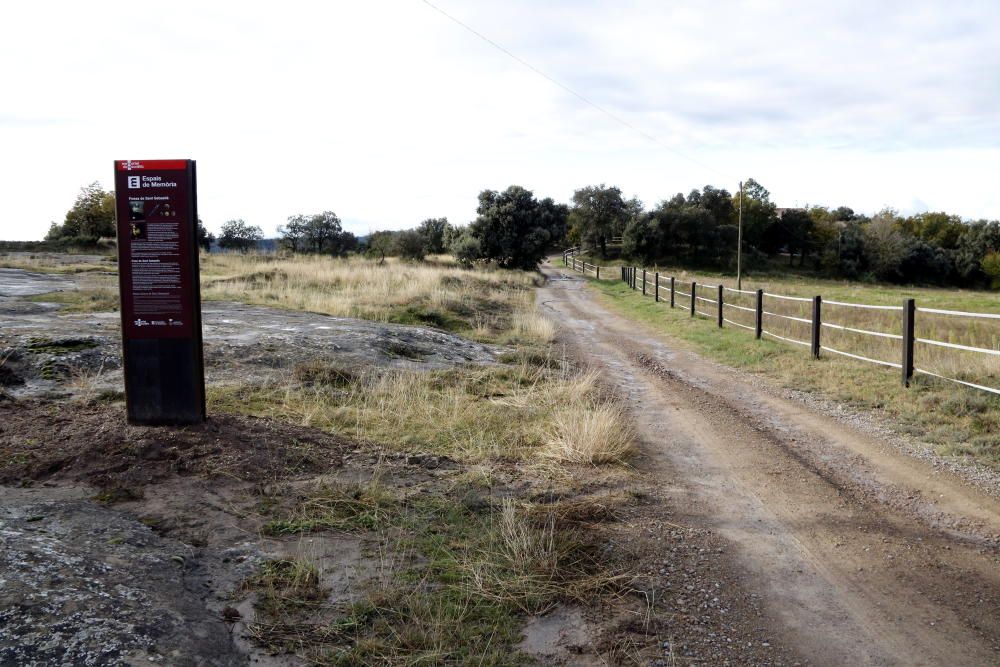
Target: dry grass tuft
[(523, 547), (531, 565), (591, 432), (533, 326), (582, 510)]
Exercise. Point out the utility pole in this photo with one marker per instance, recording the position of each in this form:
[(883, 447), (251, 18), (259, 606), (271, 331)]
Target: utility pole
[(739, 245)]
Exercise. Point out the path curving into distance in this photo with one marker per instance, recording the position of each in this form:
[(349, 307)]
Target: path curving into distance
[(862, 555)]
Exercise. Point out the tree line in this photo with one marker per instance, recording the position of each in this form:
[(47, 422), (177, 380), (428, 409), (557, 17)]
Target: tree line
[(700, 229), (514, 229)]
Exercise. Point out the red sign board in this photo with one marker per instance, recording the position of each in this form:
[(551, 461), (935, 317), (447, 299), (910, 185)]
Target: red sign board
[(158, 277), (155, 243)]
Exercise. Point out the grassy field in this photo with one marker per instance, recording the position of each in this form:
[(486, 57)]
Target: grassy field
[(458, 574), (58, 262), (487, 305), (956, 420)]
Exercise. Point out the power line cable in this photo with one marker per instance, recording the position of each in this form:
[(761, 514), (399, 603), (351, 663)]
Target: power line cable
[(582, 98)]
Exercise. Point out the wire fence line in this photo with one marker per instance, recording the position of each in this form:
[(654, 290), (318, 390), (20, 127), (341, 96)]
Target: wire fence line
[(759, 311)]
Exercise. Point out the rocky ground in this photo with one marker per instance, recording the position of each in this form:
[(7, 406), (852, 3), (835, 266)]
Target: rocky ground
[(45, 351)]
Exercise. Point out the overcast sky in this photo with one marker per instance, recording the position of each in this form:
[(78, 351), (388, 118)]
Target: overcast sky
[(387, 112)]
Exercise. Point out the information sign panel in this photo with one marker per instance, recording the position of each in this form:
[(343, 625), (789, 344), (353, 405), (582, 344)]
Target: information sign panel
[(157, 213)]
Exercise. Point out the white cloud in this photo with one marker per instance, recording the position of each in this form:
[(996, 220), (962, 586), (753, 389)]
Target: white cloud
[(387, 113)]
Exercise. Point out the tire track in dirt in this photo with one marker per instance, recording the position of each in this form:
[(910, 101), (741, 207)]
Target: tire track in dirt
[(861, 554)]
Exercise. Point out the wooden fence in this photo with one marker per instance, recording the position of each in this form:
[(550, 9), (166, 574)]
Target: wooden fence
[(805, 324)]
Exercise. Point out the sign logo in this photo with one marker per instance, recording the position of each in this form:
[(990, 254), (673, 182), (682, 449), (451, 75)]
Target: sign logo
[(129, 165), (133, 182)]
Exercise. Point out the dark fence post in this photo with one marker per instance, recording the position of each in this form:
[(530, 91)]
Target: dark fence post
[(635, 275), (909, 313), (759, 319), (694, 291), (598, 273), (816, 324), (644, 282), (673, 291), (720, 305), (656, 287)]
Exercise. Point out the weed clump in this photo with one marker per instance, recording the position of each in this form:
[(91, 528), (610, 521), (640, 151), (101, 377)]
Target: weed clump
[(337, 506), (324, 374), (285, 587)]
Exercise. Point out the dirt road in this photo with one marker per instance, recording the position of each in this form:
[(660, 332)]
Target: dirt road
[(861, 554)]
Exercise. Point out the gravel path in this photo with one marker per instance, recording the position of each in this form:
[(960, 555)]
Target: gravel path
[(860, 553)]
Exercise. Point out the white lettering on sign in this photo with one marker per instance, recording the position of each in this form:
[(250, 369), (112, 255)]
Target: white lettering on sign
[(153, 182)]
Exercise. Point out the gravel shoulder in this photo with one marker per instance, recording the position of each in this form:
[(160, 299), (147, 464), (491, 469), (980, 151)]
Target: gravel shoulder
[(860, 553)]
